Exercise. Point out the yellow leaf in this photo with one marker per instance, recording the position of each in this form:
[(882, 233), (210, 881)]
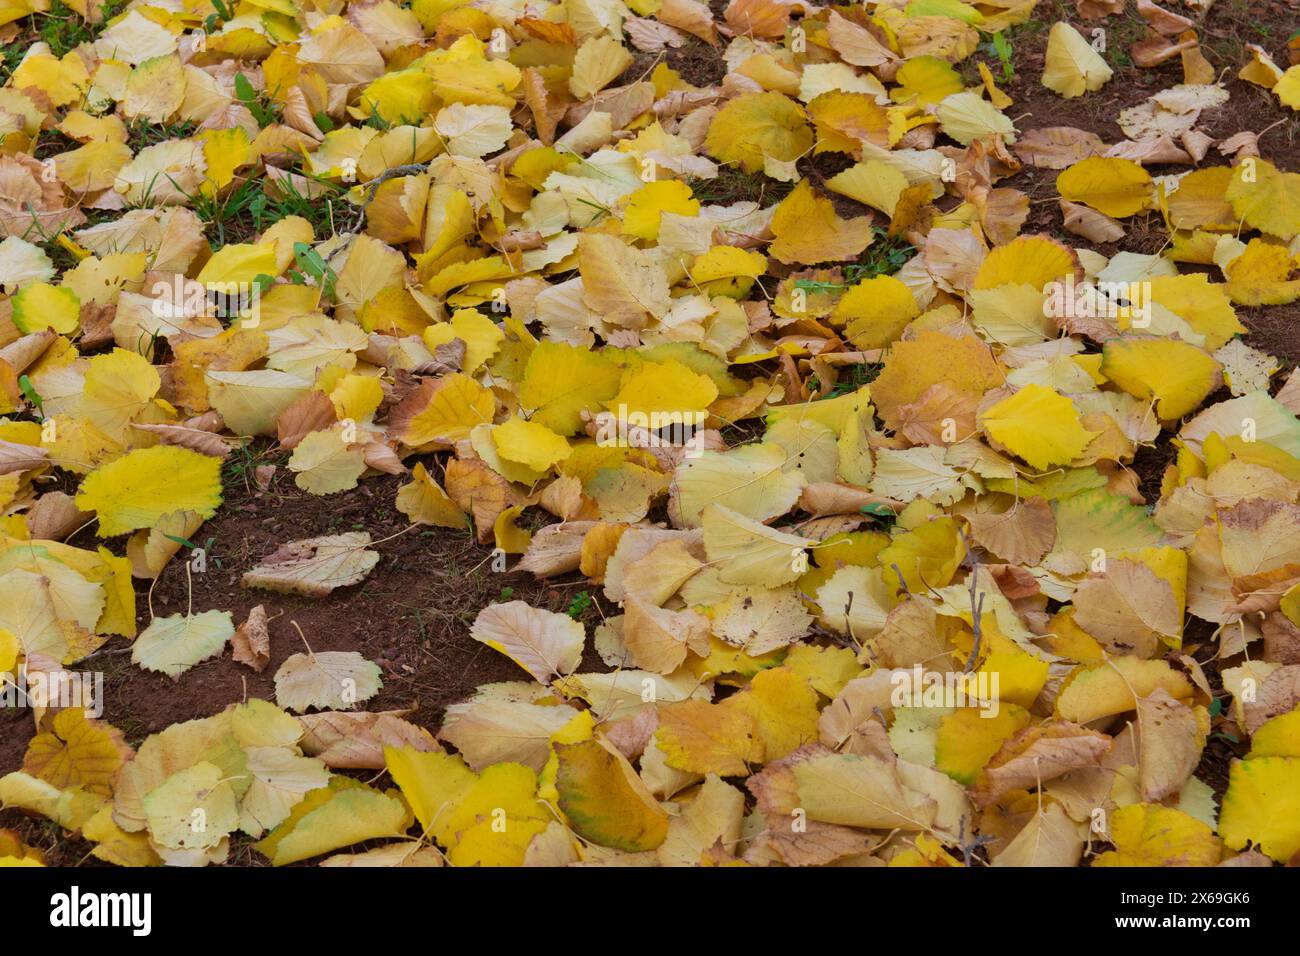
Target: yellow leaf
[(1202, 304), (225, 151), (172, 645), (509, 537), (473, 130), (63, 81), (625, 285), (93, 166), (196, 792), (561, 381), (10, 648), (597, 63), (40, 306), (728, 270), (873, 183), (605, 800), (529, 443), (1039, 425), (482, 337), (700, 737), (913, 365), (1072, 66), (114, 845), (748, 552), (324, 464), (1287, 88), (140, 487), (809, 231), (968, 737), (1279, 737), (357, 397), (1176, 374), (646, 206), (240, 263), (783, 707), (433, 784), (483, 820), (1116, 187), (544, 643), (860, 791), (1111, 687), (337, 818), (442, 410), (1261, 275), (751, 480), (927, 78), (250, 402), (154, 90), (967, 117), (662, 387), (118, 388), (424, 502), (1266, 197), (1031, 260), (1147, 834), (401, 96), (1017, 674), (75, 752), (1262, 806), (1201, 201), (875, 311), (927, 556), (846, 119), (755, 126)]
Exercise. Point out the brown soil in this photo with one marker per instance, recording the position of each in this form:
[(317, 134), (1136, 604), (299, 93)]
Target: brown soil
[(411, 615)]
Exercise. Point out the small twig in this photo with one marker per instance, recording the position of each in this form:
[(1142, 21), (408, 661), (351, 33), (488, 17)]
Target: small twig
[(976, 606), (372, 186), (968, 848), (902, 582)]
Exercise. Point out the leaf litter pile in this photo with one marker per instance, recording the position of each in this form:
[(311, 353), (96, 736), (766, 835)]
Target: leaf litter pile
[(931, 520)]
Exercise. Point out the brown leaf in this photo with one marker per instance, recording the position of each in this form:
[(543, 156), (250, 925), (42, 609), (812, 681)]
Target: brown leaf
[(55, 516), (350, 740), (857, 45), (690, 15), (1099, 9), (480, 491), (1163, 21), (1169, 741), (1056, 147), (758, 18), (251, 642), (17, 457), (1155, 49), (1092, 225), (195, 439), (1278, 694), (312, 413), (1021, 535), (1128, 608), (1036, 755)]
